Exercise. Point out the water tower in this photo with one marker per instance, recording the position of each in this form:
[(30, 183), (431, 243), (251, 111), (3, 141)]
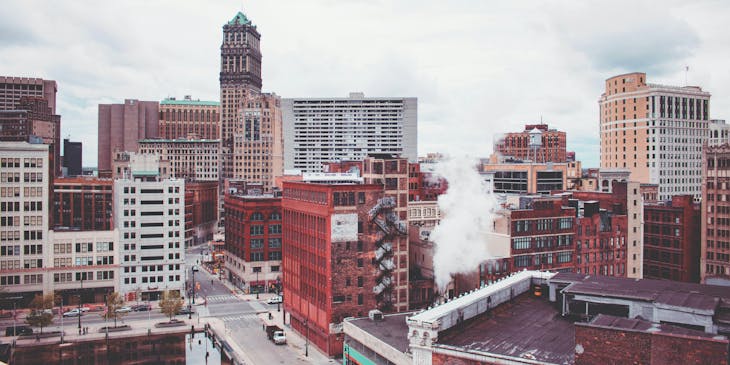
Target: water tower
[(535, 142)]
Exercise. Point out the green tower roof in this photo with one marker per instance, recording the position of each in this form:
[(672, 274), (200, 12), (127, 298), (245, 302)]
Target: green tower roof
[(240, 18)]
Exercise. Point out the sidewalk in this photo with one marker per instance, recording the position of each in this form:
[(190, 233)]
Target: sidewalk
[(298, 341)]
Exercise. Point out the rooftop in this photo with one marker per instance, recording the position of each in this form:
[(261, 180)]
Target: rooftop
[(392, 330), (169, 101), (526, 327), (672, 293), (640, 325), (240, 18)]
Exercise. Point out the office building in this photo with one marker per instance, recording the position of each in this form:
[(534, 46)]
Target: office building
[(719, 132), (12, 89), (34, 121), (189, 159), (24, 218), (84, 266), (672, 240), (182, 118), (149, 214), (319, 130), (82, 203), (528, 178), (121, 126), (253, 241), (715, 231), (251, 135), (536, 143), (337, 262), (71, 158), (655, 131)]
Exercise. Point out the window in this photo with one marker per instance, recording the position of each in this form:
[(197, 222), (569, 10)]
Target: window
[(257, 243), (257, 256), (257, 230), (257, 216), (275, 229), (274, 242)]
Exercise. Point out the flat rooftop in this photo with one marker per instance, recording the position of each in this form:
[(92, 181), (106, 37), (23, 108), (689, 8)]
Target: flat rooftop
[(392, 330), (526, 327), (640, 325), (673, 293)]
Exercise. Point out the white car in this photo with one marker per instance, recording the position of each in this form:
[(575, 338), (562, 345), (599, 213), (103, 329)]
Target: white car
[(279, 338), (73, 313), (274, 300), (124, 309)]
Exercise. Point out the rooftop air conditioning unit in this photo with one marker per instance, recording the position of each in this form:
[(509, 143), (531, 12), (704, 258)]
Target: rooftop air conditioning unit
[(375, 315)]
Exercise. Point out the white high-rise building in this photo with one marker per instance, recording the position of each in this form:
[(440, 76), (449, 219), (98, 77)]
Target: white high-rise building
[(149, 214), (655, 131), (318, 130), (24, 207)]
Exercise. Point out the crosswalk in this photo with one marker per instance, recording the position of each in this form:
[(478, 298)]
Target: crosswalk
[(221, 298), (250, 317)]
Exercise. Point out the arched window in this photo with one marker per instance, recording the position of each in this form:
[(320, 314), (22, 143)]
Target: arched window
[(257, 216)]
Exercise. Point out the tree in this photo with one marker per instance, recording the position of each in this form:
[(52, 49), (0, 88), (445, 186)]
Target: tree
[(114, 302), (41, 311), (171, 303)]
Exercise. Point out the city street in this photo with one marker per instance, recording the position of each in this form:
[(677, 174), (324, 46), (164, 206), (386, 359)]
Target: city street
[(240, 314)]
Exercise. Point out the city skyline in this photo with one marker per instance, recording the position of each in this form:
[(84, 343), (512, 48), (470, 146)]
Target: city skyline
[(490, 68)]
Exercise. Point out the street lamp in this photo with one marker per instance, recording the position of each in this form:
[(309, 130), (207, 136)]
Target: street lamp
[(190, 312), (278, 293), (80, 290), (306, 344), (257, 284)]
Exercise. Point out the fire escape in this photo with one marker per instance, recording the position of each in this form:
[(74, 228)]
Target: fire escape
[(389, 227)]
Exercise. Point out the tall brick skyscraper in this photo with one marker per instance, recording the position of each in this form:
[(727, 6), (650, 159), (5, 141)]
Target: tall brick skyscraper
[(251, 137)]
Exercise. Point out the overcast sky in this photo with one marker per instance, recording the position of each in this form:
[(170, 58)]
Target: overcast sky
[(477, 67)]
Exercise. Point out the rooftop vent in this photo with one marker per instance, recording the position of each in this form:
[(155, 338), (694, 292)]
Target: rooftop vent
[(375, 315)]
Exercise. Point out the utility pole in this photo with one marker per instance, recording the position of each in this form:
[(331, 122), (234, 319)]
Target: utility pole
[(80, 290)]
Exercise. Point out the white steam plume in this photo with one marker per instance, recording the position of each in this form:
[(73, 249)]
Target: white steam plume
[(467, 214)]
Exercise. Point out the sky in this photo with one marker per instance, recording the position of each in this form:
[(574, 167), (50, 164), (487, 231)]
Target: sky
[(478, 68)]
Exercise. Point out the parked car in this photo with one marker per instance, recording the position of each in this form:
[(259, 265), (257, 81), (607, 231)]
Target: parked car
[(274, 300), (84, 309), (125, 309), (19, 331), (186, 310), (279, 338), (73, 313), (141, 307)]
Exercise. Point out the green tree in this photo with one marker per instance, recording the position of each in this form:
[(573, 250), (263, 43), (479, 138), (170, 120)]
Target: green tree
[(114, 302), (171, 303), (41, 311)]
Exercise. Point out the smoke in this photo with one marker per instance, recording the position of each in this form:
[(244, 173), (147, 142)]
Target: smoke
[(466, 209)]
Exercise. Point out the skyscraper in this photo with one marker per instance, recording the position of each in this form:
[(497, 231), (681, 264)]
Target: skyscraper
[(655, 131), (72, 157), (319, 130), (121, 126), (14, 88), (251, 136)]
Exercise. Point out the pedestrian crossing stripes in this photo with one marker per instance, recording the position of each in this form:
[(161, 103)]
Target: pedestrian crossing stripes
[(238, 317), (221, 298)]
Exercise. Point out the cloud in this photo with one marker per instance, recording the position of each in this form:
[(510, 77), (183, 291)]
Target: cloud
[(640, 37), (476, 68)]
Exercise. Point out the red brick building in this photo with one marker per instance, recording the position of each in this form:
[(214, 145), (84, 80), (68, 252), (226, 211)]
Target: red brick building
[(517, 144), (253, 241), (542, 237), (203, 211), (83, 203), (335, 263), (34, 118), (672, 240)]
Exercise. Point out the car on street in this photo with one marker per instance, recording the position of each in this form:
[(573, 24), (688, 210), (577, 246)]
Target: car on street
[(274, 300), (125, 309), (73, 313), (186, 310), (18, 331), (141, 307), (279, 338)]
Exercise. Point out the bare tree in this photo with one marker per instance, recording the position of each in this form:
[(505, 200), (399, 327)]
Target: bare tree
[(41, 311), (114, 302), (171, 303)]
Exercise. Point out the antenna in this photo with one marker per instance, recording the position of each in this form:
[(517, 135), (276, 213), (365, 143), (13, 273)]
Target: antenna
[(686, 70)]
